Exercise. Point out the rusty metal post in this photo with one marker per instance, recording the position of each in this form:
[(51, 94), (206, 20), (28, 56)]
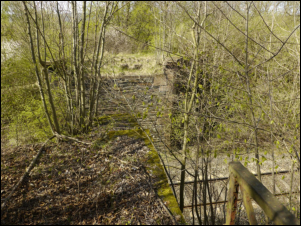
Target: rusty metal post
[(252, 188), (232, 200), (248, 206)]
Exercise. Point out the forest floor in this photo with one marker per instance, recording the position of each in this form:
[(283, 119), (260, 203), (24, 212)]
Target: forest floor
[(73, 183)]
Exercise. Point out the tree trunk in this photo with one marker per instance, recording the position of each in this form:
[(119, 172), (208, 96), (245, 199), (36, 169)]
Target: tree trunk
[(81, 74), (66, 79), (250, 94), (56, 124), (36, 68)]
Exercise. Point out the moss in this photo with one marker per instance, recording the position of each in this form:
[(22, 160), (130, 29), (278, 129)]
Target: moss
[(136, 133), (163, 189), (106, 119), (153, 163), (103, 120), (154, 167)]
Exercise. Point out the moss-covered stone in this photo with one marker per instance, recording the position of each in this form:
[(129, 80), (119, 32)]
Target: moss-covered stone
[(123, 118), (136, 133), (154, 167), (152, 160), (163, 189), (103, 120)]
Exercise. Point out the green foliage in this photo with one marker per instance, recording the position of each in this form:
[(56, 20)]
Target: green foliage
[(142, 25), (30, 125), (6, 28), (263, 159), (20, 102)]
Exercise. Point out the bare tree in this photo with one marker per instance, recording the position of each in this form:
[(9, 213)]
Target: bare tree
[(72, 69)]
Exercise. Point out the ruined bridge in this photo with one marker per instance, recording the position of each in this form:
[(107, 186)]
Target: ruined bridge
[(150, 98)]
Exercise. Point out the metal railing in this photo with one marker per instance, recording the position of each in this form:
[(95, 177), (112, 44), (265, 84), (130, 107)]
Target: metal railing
[(251, 188)]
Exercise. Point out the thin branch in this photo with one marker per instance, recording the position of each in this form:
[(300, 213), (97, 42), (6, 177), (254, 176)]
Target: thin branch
[(241, 30), (277, 51), (267, 25), (238, 61), (71, 138), (167, 51), (235, 10)]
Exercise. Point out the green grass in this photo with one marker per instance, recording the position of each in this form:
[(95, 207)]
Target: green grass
[(149, 63)]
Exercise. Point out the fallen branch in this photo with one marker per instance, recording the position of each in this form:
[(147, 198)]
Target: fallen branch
[(60, 136), (31, 166)]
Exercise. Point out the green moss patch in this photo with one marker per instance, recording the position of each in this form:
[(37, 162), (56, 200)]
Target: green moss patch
[(155, 169), (163, 189), (106, 119), (151, 160)]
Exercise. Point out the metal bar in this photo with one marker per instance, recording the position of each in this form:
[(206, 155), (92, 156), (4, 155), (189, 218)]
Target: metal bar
[(226, 178), (232, 202), (261, 195), (239, 200)]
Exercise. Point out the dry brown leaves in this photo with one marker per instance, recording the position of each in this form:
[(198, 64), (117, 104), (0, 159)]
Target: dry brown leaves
[(74, 184)]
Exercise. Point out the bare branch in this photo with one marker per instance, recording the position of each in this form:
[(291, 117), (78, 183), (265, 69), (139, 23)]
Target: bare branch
[(241, 30), (277, 51), (238, 61), (235, 10), (266, 24)]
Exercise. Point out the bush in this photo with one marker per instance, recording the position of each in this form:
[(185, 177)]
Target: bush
[(29, 125)]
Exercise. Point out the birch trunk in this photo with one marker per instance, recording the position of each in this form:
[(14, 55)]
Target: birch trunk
[(66, 79), (36, 68), (81, 74), (188, 106), (45, 72), (74, 50), (96, 67), (250, 94)]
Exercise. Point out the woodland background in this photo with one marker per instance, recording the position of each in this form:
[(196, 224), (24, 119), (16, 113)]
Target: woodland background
[(239, 92)]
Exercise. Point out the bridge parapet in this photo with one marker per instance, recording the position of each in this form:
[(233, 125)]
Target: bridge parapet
[(251, 188)]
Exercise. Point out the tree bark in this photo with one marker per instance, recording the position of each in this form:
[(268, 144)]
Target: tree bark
[(188, 106), (45, 72), (250, 93), (36, 68), (81, 74)]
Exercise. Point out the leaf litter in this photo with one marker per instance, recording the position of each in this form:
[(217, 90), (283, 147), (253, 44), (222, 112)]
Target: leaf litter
[(76, 183)]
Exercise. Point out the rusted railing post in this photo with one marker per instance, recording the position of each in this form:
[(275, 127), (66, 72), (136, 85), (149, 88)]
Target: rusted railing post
[(253, 189), (232, 202)]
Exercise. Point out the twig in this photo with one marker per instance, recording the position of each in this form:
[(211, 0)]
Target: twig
[(235, 10), (70, 138), (215, 39), (31, 166)]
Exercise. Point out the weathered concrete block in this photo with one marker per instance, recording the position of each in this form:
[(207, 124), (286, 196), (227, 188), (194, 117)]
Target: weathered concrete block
[(124, 66), (160, 80), (165, 89), (137, 66)]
